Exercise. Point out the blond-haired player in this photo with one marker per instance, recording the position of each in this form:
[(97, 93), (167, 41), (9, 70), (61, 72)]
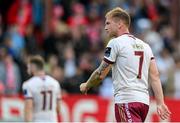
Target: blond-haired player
[(132, 63), (42, 93)]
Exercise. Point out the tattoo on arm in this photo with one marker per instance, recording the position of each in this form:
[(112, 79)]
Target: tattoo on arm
[(103, 67), (98, 75)]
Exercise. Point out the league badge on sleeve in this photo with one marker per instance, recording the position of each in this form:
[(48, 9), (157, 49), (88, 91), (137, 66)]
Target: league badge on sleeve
[(107, 51), (25, 92)]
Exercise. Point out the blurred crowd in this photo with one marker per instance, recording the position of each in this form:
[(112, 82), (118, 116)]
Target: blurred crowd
[(70, 35)]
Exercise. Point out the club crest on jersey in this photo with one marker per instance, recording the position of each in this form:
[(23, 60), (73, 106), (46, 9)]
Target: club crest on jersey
[(107, 51)]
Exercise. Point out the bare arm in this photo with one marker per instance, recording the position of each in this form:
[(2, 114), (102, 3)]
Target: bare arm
[(96, 77), (162, 109), (156, 83), (58, 107), (28, 109)]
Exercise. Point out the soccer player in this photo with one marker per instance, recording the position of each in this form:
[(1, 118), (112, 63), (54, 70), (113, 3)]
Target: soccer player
[(42, 93), (132, 63)]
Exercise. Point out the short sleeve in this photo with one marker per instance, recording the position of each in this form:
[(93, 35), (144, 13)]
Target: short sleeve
[(110, 52), (27, 91), (151, 56)]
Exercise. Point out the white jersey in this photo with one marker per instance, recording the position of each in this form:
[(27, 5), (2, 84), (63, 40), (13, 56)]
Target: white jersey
[(131, 60), (44, 92)]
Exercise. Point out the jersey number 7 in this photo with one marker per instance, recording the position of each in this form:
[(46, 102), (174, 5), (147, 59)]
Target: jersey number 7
[(141, 54)]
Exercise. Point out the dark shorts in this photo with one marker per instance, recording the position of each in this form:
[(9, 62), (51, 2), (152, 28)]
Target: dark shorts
[(131, 112)]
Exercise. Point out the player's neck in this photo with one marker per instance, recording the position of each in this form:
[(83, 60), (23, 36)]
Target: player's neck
[(39, 73), (123, 31)]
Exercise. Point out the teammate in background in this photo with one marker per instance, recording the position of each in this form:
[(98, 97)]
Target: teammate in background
[(42, 93), (132, 62)]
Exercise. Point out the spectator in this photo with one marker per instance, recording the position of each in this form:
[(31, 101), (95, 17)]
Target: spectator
[(167, 33), (76, 36), (2, 88), (57, 23), (69, 62), (78, 17), (95, 24), (106, 89), (13, 77), (10, 74), (58, 74), (52, 62), (165, 64), (20, 14), (3, 53), (80, 41), (176, 78), (16, 41), (154, 39), (30, 40)]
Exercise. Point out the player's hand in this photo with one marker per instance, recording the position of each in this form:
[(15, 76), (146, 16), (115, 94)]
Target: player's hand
[(163, 111), (83, 88)]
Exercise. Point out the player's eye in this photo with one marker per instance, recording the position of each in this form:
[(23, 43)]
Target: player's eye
[(107, 23)]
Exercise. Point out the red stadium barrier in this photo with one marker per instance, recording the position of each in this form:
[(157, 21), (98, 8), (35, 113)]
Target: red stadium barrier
[(81, 108)]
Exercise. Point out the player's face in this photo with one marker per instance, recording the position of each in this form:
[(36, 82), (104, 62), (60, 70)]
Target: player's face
[(29, 68), (111, 27)]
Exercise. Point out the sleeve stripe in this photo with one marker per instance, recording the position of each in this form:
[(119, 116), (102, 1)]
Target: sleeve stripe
[(108, 61), (131, 36), (152, 58)]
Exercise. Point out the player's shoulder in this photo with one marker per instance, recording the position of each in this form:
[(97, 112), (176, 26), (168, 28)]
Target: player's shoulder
[(147, 49), (146, 45), (25, 84), (123, 39), (118, 39), (49, 78), (113, 42), (29, 81)]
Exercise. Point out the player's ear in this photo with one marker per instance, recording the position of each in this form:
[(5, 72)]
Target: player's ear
[(119, 24)]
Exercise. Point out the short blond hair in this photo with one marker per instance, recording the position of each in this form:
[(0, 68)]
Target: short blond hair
[(119, 14), (38, 61)]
